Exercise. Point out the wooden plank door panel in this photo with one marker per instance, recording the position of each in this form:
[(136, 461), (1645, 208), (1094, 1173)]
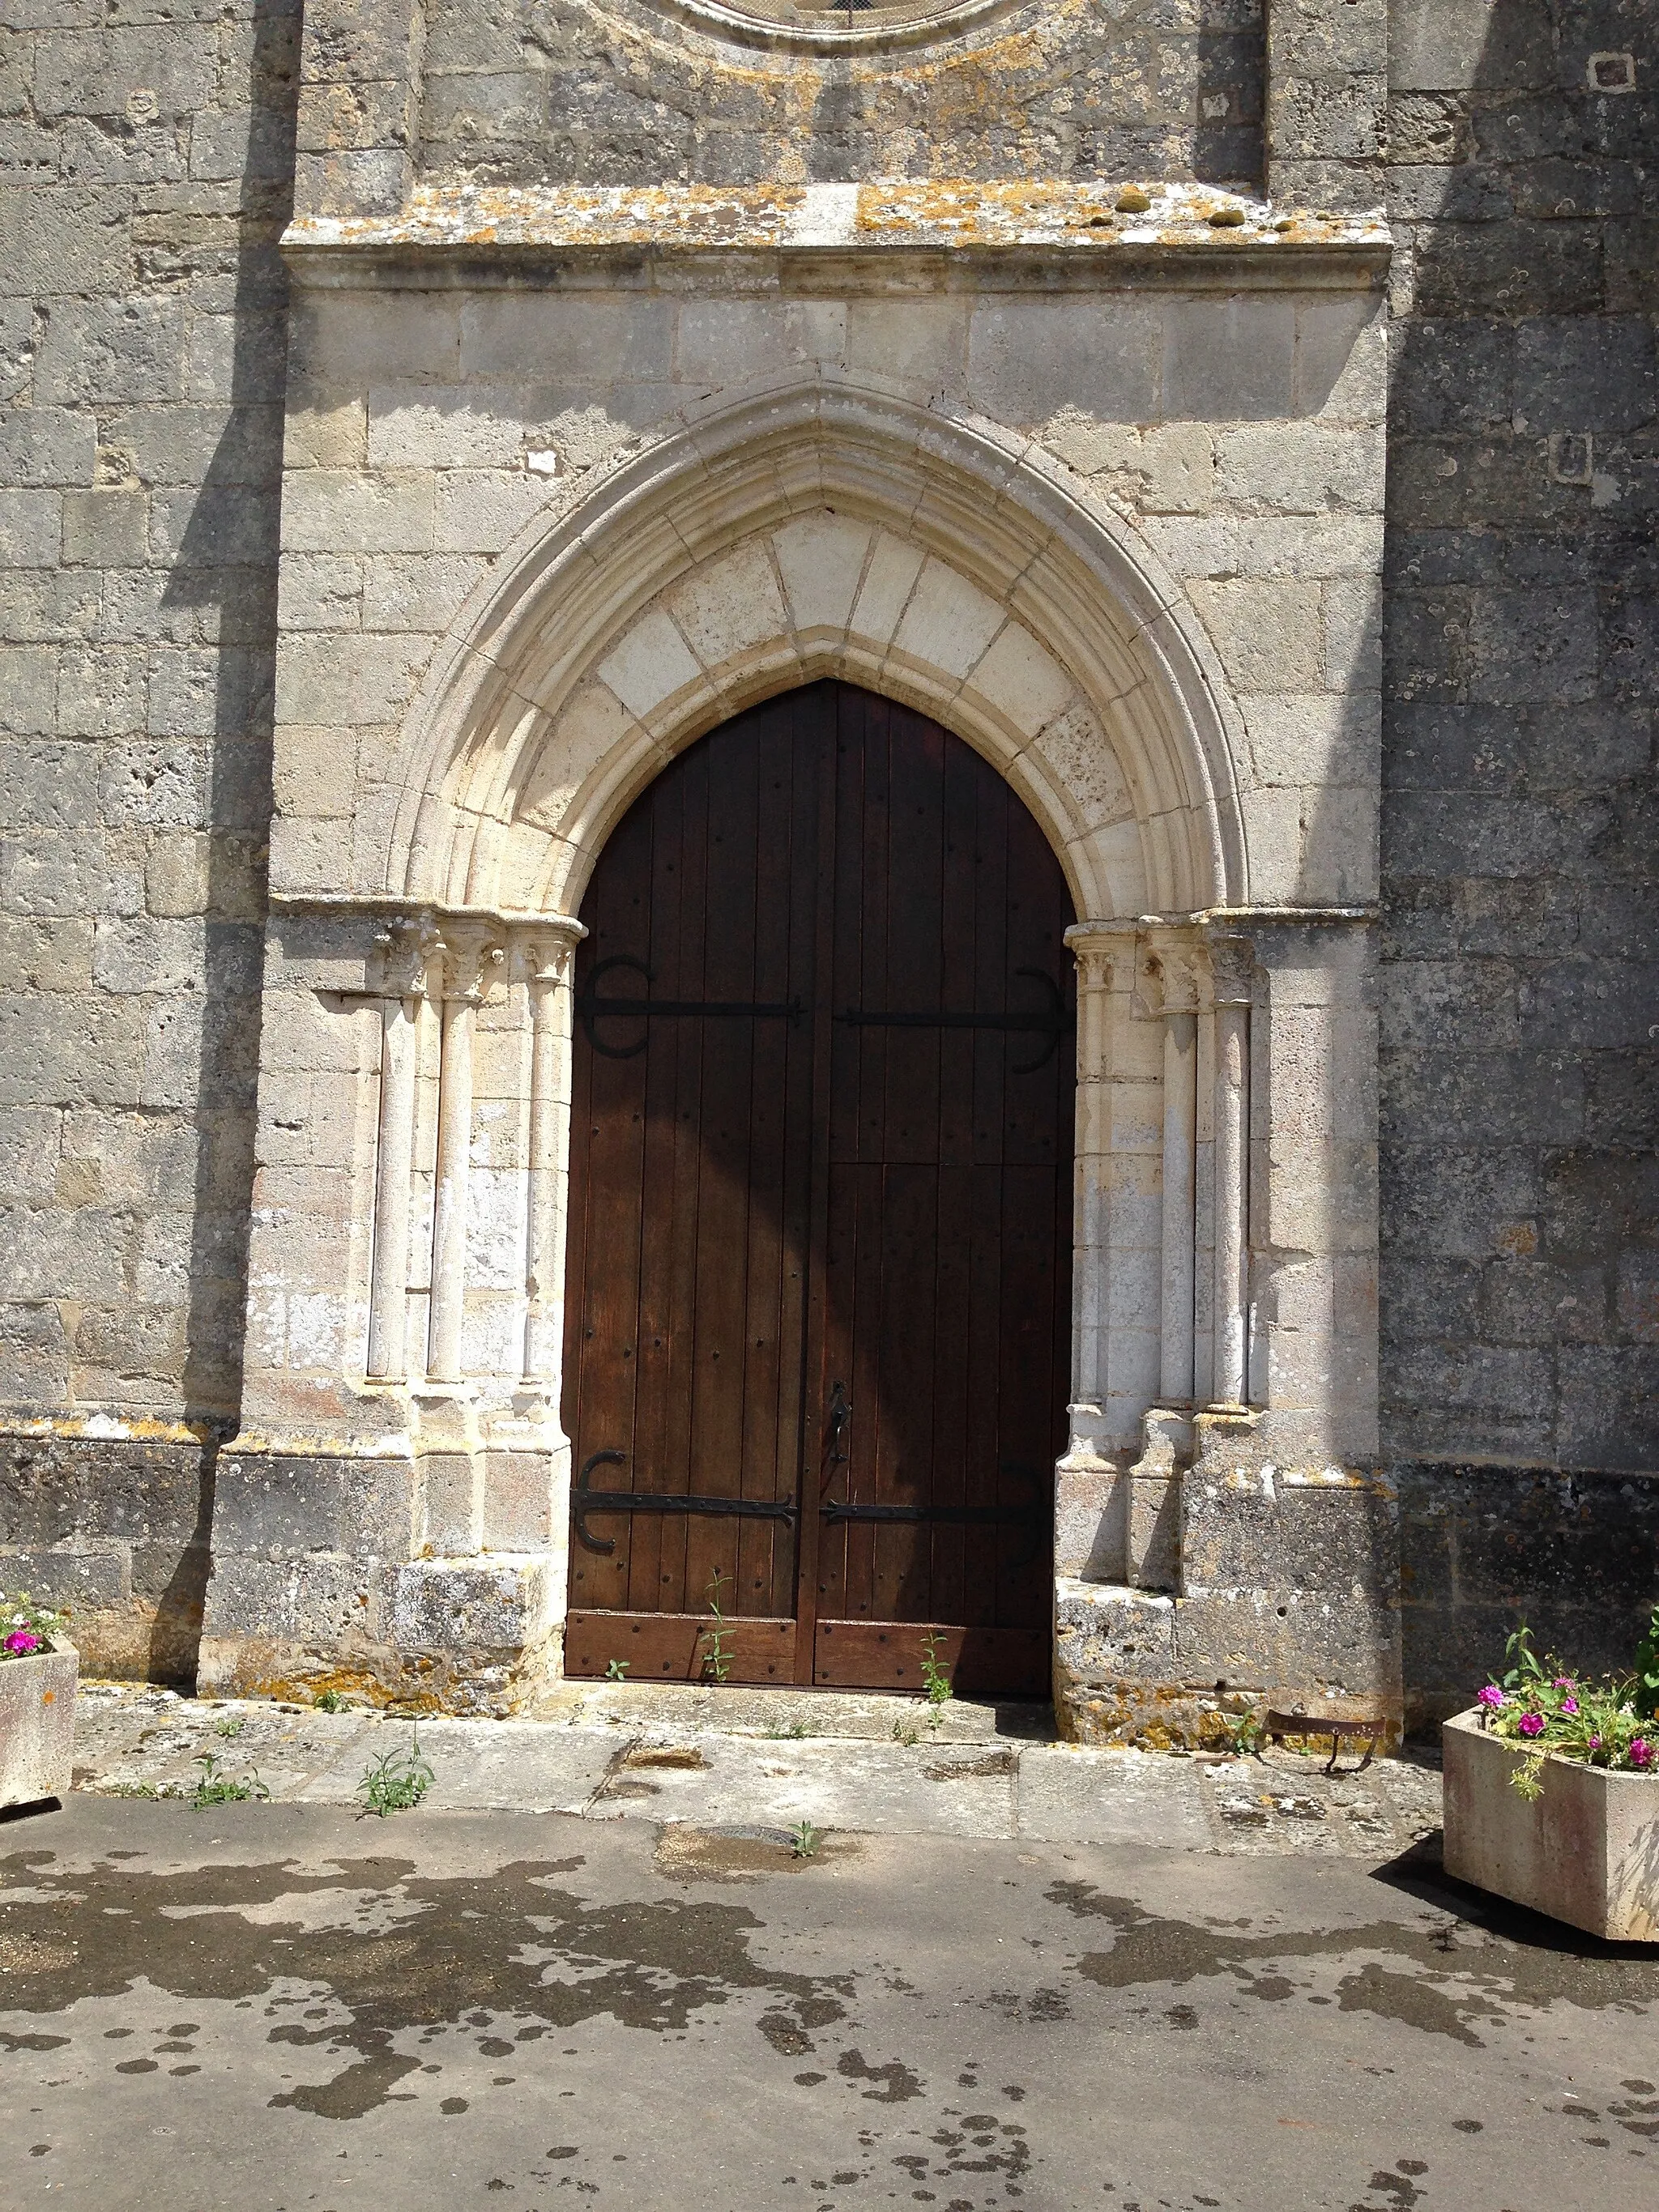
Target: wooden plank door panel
[(886, 1654), (949, 1235), (690, 1177)]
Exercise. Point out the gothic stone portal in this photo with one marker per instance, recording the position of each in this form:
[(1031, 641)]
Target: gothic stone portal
[(396, 1508)]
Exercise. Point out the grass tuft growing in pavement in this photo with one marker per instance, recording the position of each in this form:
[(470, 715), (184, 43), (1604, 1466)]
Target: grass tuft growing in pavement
[(396, 1781), (218, 1788)]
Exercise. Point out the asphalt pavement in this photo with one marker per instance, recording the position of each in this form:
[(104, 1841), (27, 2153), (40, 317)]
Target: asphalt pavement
[(272, 2006)]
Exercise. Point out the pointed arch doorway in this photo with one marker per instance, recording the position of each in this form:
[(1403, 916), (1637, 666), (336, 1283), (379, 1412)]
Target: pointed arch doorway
[(818, 1305)]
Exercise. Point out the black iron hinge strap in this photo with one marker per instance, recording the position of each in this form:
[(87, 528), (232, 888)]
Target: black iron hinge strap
[(585, 1501)]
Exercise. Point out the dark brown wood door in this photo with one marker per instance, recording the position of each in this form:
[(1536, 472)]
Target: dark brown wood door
[(818, 1307)]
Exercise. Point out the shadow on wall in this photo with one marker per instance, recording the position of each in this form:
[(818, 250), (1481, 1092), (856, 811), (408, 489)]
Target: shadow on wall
[(1519, 1003), (226, 571), (1230, 89)]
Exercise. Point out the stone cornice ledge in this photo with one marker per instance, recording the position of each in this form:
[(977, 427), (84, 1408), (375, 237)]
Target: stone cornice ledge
[(924, 235), (383, 906)]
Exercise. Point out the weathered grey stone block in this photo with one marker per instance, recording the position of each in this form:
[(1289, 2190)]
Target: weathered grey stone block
[(60, 239), (46, 446), (77, 1581), (1029, 359), (320, 1598), (28, 698), (112, 350), (1233, 362), (472, 1606), (1266, 1529), (31, 528)]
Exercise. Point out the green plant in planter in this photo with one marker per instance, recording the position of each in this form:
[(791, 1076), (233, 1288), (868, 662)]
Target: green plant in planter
[(25, 1628), (1647, 1671), (1539, 1704)]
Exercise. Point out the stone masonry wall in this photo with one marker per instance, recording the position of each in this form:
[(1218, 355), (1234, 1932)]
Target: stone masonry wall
[(530, 91), (1521, 833), (149, 156)]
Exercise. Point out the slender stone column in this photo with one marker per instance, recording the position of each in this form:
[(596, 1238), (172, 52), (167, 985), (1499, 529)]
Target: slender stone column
[(406, 946), (469, 957), (1232, 959), (1176, 1375), (1097, 948), (550, 949)]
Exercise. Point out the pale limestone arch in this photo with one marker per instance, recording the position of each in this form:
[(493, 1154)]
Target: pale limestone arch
[(814, 530)]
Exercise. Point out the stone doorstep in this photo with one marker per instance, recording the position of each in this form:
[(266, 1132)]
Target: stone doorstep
[(615, 1752)]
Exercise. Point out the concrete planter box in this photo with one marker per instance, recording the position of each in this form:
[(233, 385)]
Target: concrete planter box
[(1586, 1851), (37, 1724)]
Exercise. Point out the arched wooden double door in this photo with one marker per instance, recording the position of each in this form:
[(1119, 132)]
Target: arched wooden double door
[(818, 1310)]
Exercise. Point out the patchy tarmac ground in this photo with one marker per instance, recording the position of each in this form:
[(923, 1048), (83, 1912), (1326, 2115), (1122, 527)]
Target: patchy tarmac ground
[(650, 2001), (279, 2007)]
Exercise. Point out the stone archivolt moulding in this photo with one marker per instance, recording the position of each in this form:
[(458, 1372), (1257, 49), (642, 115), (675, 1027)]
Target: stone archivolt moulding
[(811, 531)]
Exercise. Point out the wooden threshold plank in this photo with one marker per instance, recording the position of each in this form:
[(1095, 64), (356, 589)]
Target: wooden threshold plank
[(676, 1646), (886, 1654)]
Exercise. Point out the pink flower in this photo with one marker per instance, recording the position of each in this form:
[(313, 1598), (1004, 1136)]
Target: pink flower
[(1531, 1724), (1641, 1752), (1564, 1682), (1595, 1743), (1569, 1705), (21, 1642), (1492, 1697)]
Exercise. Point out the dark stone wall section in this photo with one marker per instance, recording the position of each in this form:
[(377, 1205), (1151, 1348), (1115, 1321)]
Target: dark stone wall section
[(1521, 831), (1575, 1556), (117, 1532), (145, 178)]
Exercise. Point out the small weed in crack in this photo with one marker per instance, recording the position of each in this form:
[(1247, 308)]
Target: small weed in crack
[(396, 1781), (218, 1788)]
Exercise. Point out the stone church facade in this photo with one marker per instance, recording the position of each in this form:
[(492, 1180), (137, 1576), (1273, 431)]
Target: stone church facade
[(1233, 423)]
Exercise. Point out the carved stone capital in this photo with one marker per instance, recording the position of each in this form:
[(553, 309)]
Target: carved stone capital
[(1105, 952), (546, 948), (1174, 963), (472, 952), (1232, 969), (407, 945)]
